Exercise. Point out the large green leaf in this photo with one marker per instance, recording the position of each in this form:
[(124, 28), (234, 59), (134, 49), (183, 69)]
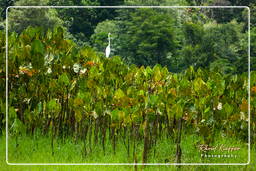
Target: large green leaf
[(37, 55), (157, 74), (78, 115), (119, 94), (63, 79), (117, 115), (53, 106), (228, 108), (37, 47)]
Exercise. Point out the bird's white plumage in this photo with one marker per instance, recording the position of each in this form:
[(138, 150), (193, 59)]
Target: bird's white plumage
[(107, 51)]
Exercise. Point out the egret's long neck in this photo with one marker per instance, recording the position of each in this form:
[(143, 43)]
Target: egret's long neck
[(109, 40)]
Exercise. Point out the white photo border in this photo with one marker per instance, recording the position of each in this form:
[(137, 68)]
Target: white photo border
[(126, 7)]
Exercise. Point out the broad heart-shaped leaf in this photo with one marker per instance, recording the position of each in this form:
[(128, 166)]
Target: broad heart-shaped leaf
[(81, 94), (147, 72), (63, 79), (99, 107), (37, 47), (130, 91), (202, 103), (53, 106), (207, 110), (140, 93), (220, 87), (114, 115), (117, 115), (153, 99), (184, 83), (119, 94), (228, 108), (199, 86), (88, 52), (78, 115), (121, 115), (117, 60), (177, 109), (157, 74)]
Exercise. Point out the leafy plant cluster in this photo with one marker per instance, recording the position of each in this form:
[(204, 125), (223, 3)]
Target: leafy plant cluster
[(62, 90), (176, 38)]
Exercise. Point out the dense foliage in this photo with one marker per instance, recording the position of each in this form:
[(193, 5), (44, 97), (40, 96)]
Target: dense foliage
[(59, 89), (206, 38)]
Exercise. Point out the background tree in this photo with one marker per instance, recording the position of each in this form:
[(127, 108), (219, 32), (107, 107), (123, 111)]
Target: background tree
[(82, 22), (222, 15), (253, 48), (3, 5), (156, 3), (190, 52), (19, 19), (147, 37)]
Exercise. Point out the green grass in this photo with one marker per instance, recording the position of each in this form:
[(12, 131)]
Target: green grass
[(32, 151)]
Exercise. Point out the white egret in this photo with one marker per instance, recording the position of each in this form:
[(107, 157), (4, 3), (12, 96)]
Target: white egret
[(108, 47)]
